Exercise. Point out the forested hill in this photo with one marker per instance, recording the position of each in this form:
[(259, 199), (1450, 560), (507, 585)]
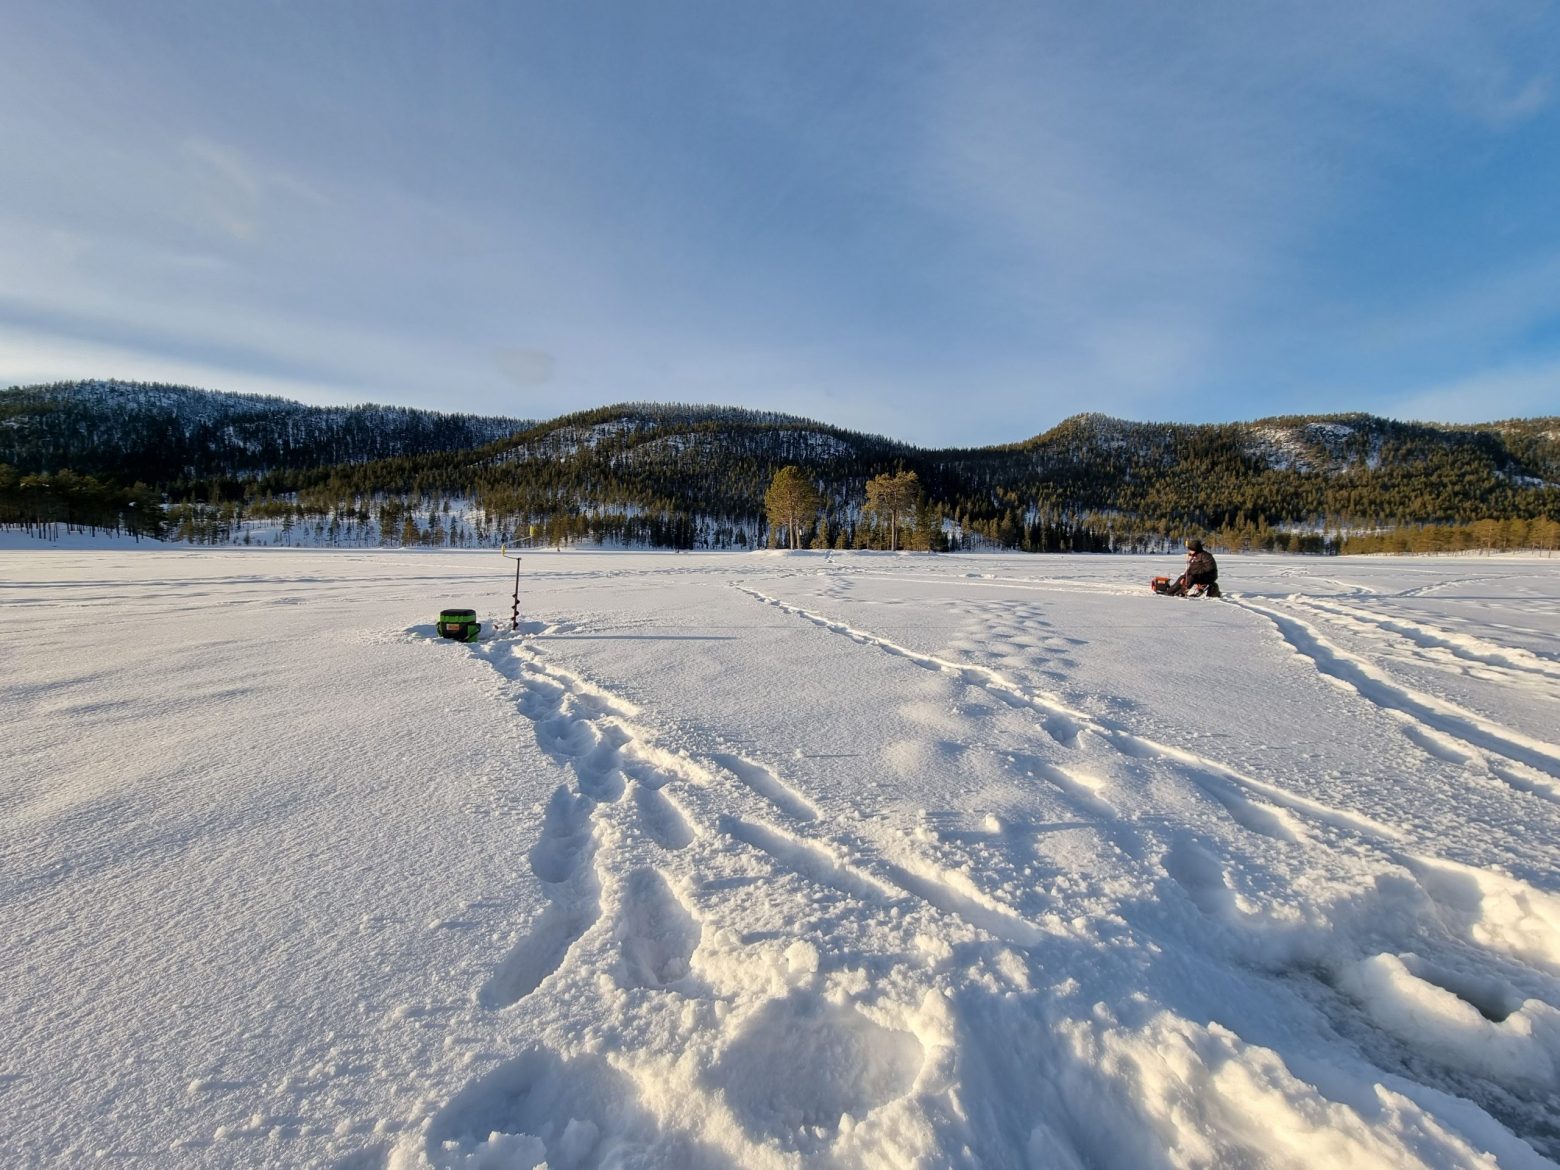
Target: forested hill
[(1338, 471), (696, 476), (171, 436)]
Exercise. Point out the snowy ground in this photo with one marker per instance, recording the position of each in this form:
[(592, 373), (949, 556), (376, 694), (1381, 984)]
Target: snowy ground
[(766, 861)]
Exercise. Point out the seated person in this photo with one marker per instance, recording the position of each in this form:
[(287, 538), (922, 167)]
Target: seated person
[(1202, 572)]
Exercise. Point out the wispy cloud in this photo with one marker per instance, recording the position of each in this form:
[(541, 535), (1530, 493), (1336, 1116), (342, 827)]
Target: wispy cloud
[(228, 190)]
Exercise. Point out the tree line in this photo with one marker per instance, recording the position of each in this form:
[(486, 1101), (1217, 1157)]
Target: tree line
[(1541, 534), (685, 476), (46, 504)]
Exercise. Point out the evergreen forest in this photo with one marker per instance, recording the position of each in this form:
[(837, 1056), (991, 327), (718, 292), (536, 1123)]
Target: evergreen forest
[(205, 467)]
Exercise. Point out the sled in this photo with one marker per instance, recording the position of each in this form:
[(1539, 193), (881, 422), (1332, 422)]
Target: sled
[(459, 624)]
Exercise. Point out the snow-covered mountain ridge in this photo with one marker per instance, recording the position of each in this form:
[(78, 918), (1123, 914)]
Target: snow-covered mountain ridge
[(159, 433), (238, 425), (681, 473), (1332, 443)]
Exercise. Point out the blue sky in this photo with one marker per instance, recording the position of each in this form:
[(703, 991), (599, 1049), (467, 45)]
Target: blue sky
[(949, 223)]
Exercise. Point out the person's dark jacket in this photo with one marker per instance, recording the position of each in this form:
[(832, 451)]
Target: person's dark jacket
[(1201, 568)]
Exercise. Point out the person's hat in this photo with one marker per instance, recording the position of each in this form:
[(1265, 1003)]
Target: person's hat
[(1194, 545)]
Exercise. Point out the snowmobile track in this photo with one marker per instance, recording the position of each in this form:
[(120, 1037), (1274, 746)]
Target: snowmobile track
[(1439, 646), (1429, 714)]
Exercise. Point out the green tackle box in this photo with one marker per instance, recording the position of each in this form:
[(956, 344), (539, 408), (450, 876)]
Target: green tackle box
[(460, 624)]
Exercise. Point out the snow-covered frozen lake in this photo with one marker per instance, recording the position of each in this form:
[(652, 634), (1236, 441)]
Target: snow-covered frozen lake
[(748, 861)]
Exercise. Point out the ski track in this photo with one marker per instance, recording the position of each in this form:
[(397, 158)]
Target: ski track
[(764, 782), (926, 881), (813, 861), (1439, 586), (1430, 721)]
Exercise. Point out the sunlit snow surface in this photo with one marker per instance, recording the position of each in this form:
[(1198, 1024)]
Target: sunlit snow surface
[(768, 861)]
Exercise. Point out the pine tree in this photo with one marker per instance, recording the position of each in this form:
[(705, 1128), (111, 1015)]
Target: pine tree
[(791, 500), (893, 498)]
